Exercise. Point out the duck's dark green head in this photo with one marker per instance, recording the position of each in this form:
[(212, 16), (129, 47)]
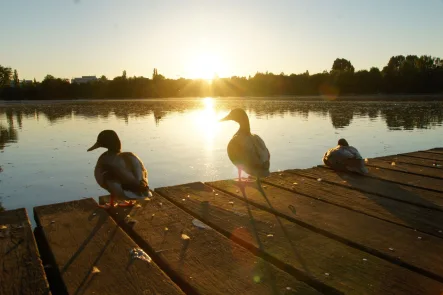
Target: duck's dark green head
[(107, 139), (343, 142), (237, 115)]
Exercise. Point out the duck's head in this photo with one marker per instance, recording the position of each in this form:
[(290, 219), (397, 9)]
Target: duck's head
[(107, 139), (237, 115), (343, 142)]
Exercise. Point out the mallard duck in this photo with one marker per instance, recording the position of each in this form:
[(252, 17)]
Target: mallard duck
[(122, 174), (345, 158), (247, 151)]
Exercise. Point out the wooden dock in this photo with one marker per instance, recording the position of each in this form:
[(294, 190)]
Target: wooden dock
[(305, 231)]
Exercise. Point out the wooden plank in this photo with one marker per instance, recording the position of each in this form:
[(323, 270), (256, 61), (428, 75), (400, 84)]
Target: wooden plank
[(407, 168), (345, 268), (425, 155), (209, 262), (435, 150), (422, 182), (399, 177), (21, 270), (424, 219), (413, 161), (404, 193), (361, 231), (81, 236)]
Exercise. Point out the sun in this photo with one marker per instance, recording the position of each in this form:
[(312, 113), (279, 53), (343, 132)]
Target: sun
[(206, 66)]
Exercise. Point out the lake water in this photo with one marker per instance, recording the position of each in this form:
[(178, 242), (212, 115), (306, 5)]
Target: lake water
[(43, 145)]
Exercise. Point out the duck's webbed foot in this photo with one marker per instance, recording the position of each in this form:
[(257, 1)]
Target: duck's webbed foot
[(127, 204), (107, 206)]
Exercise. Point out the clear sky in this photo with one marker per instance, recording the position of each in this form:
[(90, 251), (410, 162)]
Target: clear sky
[(195, 38)]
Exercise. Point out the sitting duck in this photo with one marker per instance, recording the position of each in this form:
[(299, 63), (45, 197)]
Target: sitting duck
[(345, 158), (247, 151), (122, 174)]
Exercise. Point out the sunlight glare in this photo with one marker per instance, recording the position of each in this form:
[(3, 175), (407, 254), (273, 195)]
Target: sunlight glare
[(206, 66), (207, 121), (209, 103)]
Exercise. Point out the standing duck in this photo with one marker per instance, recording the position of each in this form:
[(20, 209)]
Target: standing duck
[(122, 174), (247, 151), (345, 158)]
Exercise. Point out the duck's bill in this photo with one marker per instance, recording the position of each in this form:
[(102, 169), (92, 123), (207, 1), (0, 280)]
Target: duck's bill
[(227, 118), (95, 146)]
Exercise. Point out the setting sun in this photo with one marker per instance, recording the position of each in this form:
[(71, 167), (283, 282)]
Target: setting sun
[(206, 66)]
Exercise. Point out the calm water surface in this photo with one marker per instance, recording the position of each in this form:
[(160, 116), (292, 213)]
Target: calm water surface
[(43, 145)]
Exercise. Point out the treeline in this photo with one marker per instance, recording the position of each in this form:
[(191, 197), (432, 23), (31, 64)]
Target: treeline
[(402, 75)]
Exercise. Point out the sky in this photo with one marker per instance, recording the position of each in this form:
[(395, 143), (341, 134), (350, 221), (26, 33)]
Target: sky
[(197, 38)]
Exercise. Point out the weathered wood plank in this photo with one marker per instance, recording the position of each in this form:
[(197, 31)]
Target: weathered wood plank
[(396, 191), (407, 168), (413, 160), (81, 237), (327, 260), (208, 262), (361, 231), (436, 150), (425, 155), (412, 195), (406, 178), (400, 177), (21, 270), (424, 219)]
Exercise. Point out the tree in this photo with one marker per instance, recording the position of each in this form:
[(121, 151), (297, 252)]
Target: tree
[(15, 78), (154, 73), (402, 74), (342, 65), (394, 65), (157, 76), (5, 76), (48, 78)]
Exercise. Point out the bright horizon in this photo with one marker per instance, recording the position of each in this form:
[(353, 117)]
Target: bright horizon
[(196, 39)]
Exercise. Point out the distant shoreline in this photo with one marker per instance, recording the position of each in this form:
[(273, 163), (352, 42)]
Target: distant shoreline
[(344, 98)]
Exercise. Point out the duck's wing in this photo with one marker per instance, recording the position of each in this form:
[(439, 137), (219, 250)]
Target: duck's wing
[(336, 157), (122, 169), (138, 176), (136, 166), (262, 152), (250, 153), (345, 158), (355, 153)]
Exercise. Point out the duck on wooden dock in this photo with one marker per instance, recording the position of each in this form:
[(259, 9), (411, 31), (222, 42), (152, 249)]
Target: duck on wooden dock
[(247, 151), (345, 158), (122, 174)]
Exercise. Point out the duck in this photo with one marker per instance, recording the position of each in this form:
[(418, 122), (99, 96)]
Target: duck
[(247, 151), (122, 174), (344, 157)]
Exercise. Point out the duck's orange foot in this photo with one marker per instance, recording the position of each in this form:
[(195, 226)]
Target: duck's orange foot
[(127, 204), (107, 206), (244, 179)]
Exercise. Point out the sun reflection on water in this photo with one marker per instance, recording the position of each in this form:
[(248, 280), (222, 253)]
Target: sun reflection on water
[(207, 122)]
